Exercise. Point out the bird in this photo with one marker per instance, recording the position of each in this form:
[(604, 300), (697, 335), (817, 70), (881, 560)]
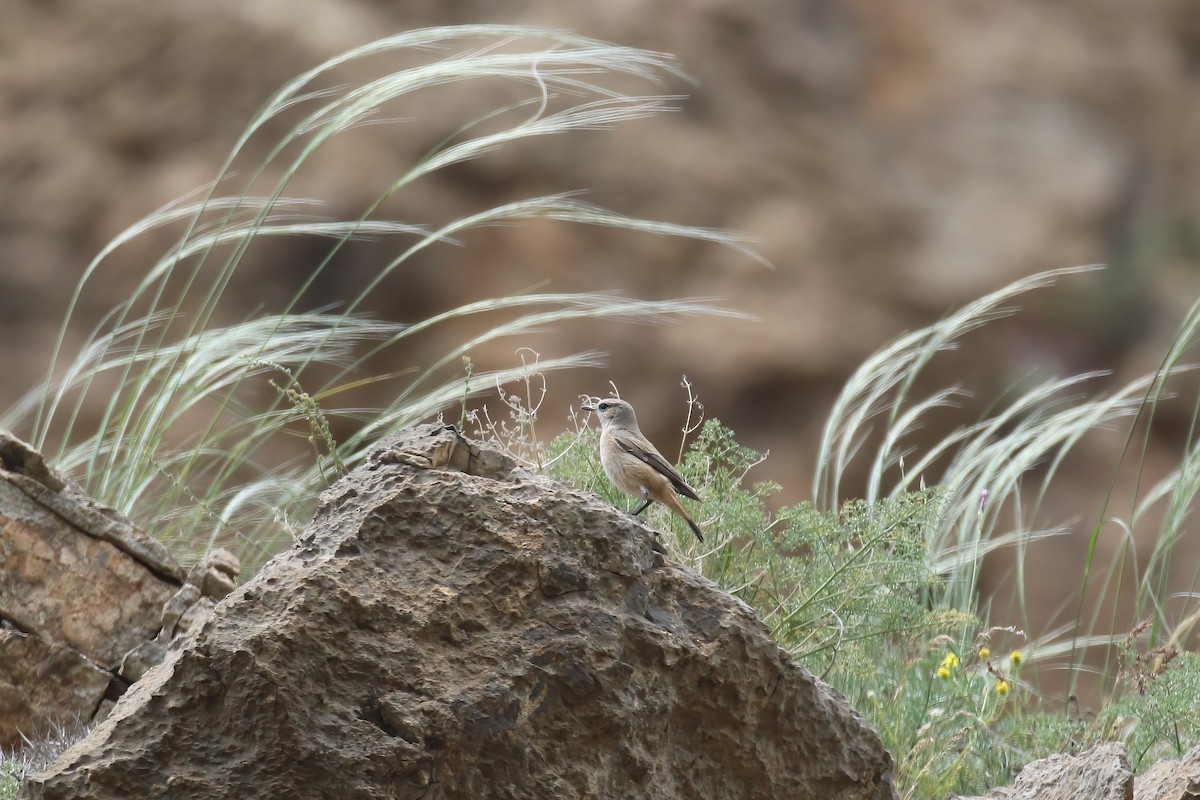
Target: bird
[(634, 465)]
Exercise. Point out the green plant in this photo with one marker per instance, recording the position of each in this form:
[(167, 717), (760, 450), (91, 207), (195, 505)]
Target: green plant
[(881, 595), (11, 772), (996, 472), (852, 594), (1151, 709)]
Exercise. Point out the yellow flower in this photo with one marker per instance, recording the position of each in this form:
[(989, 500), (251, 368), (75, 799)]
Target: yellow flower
[(1002, 688), (984, 653), (1015, 658), (943, 673), (950, 661)]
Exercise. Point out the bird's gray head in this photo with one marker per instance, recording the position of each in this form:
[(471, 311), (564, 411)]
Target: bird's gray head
[(614, 413)]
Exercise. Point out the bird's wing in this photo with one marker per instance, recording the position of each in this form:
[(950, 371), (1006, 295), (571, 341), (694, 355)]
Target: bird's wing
[(639, 448)]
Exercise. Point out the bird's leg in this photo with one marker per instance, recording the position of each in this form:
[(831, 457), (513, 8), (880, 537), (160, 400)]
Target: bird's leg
[(646, 501)]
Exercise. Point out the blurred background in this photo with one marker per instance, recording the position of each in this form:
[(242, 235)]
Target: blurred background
[(892, 160)]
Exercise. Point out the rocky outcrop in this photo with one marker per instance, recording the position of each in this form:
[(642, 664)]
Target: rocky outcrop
[(1174, 779), (1102, 773), (451, 627), (83, 595)]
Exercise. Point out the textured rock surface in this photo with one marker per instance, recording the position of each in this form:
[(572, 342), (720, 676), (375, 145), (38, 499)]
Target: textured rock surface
[(439, 634), (1176, 779), (74, 596), (69, 587), (44, 685), (1102, 773), (23, 467), (83, 595)]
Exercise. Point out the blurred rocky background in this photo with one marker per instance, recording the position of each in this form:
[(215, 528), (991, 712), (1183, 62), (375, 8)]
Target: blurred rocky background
[(892, 160)]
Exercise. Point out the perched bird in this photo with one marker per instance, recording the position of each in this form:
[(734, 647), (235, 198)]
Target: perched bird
[(634, 465)]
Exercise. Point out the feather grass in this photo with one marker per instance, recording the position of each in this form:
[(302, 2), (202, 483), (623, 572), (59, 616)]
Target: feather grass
[(188, 438), (998, 470)]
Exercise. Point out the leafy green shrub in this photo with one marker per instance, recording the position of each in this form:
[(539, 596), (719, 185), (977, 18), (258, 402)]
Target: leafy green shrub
[(860, 597), (852, 595)]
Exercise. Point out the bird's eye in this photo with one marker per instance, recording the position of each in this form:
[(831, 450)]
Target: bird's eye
[(604, 406)]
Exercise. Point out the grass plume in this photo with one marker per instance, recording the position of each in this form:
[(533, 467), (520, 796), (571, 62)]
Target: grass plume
[(187, 439)]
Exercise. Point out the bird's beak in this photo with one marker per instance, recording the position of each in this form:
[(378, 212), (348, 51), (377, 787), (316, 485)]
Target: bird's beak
[(588, 407)]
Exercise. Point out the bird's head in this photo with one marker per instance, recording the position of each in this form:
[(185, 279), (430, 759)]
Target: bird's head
[(613, 413)]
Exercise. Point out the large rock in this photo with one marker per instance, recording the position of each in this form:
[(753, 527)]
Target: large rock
[(474, 634)]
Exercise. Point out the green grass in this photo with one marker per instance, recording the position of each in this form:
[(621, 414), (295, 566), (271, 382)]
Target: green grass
[(216, 433), (11, 771)]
